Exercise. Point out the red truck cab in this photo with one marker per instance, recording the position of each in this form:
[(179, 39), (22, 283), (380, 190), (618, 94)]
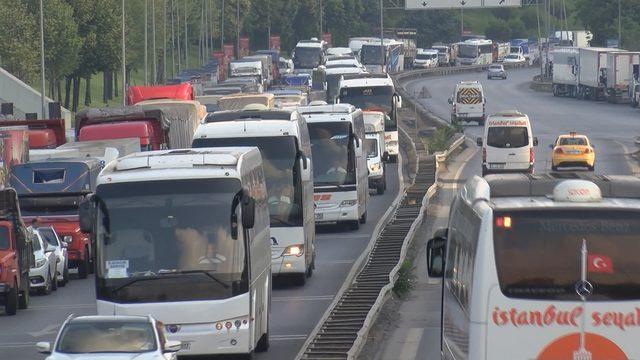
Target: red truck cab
[(42, 134), (149, 126), (16, 254), (50, 191), (136, 94)]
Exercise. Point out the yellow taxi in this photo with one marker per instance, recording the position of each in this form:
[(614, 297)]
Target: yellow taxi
[(572, 150)]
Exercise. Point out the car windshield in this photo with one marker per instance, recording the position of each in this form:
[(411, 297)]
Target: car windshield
[(333, 153), (515, 57), (423, 57), (371, 148), (281, 170), (158, 230), (307, 57), (579, 141), (371, 55), (36, 243), (468, 51), (83, 337), (507, 136), (5, 241), (48, 235), (368, 98), (495, 67), (537, 256)]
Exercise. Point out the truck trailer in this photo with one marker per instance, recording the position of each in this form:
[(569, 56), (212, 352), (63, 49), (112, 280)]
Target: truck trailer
[(592, 73), (565, 61), (619, 75)]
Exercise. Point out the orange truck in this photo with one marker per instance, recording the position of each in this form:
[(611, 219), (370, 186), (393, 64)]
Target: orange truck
[(136, 94), (43, 134), (16, 254)]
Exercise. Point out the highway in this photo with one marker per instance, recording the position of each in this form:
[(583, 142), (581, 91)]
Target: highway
[(416, 333), (295, 310)]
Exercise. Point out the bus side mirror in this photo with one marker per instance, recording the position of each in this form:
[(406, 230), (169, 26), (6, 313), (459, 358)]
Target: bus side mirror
[(248, 211), (436, 251), (535, 141), (385, 156), (305, 172), (479, 141), (450, 100), (398, 102), (86, 214)]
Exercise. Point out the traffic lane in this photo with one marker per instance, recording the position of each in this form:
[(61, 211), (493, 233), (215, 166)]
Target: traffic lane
[(42, 320), (295, 311), (550, 116)]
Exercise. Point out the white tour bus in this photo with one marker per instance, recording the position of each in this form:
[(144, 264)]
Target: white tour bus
[(308, 55), (376, 93), (183, 236), (541, 267), (475, 52), (283, 139), (375, 151), (341, 187)]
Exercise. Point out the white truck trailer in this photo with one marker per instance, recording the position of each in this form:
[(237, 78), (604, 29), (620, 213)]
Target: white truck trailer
[(592, 72), (565, 61), (619, 75)]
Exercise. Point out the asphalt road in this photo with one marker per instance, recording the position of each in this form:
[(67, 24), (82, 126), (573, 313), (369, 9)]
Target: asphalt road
[(610, 127), (295, 310)]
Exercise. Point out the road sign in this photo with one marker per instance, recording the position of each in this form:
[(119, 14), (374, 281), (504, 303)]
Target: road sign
[(457, 4)]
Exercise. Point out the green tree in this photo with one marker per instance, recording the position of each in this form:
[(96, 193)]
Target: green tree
[(19, 42)]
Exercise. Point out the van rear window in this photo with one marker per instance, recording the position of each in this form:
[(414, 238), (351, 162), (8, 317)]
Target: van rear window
[(507, 136), (538, 253)]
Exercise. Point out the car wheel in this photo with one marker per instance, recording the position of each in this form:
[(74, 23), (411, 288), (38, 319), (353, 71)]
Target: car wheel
[(23, 302), (54, 281), (354, 225), (554, 168), (380, 188), (300, 279), (363, 218), (65, 276), (591, 168), (83, 267), (11, 304), (46, 290)]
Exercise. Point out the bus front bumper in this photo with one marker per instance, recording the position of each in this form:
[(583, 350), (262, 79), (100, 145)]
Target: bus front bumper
[(336, 213)]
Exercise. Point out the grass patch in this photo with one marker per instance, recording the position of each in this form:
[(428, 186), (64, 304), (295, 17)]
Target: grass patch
[(405, 281), (441, 138)]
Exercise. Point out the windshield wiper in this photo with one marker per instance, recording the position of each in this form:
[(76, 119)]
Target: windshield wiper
[(204, 272)]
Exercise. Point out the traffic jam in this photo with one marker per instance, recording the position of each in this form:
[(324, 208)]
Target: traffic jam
[(189, 202)]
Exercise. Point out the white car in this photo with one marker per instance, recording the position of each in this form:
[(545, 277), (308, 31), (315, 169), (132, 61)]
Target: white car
[(111, 337), (514, 59), (62, 268), (42, 276)]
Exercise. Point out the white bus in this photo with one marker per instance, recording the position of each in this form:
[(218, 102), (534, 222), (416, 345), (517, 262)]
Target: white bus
[(375, 93), (183, 236), (374, 149), (308, 55), (541, 267), (475, 52), (341, 188), (283, 139), (372, 57)]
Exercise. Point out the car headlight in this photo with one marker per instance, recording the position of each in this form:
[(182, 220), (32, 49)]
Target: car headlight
[(294, 250), (40, 262), (374, 167), (348, 202), (68, 239)]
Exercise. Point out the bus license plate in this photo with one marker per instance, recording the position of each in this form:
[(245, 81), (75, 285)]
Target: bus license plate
[(185, 346), (463, 114), (319, 216), (497, 166)]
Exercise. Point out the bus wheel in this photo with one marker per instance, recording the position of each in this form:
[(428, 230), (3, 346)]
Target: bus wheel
[(23, 301), (380, 188), (83, 267), (363, 218), (263, 343), (300, 279), (11, 303)]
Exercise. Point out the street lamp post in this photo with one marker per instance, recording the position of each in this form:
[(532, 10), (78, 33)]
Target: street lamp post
[(153, 41), (146, 45), (619, 24), (124, 62), (382, 52), (237, 29), (42, 96)]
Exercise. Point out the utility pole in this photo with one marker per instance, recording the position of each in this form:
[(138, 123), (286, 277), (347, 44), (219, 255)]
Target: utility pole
[(146, 45), (164, 41), (619, 24), (186, 39), (382, 52), (461, 22), (153, 41), (124, 62), (42, 96), (178, 37), (269, 24), (237, 29), (548, 36), (321, 18), (222, 28), (539, 38), (173, 45)]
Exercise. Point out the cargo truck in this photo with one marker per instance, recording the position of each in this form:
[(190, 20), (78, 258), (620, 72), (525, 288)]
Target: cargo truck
[(565, 60), (136, 94), (16, 254), (43, 134), (591, 73), (619, 75)]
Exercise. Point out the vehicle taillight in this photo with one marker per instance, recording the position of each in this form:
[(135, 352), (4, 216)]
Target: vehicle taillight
[(503, 222), (531, 155), (558, 151), (587, 151), (484, 154)]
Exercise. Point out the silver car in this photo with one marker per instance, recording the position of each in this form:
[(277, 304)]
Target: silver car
[(51, 237), (42, 275), (111, 337), (496, 71)]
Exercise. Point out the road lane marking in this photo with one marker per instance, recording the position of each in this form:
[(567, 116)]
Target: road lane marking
[(330, 262), (411, 344), (353, 236), (304, 298), (633, 167), (69, 306), (47, 330), (291, 337), (17, 345)]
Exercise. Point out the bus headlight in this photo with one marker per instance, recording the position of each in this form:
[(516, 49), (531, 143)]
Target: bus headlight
[(294, 250), (348, 202)]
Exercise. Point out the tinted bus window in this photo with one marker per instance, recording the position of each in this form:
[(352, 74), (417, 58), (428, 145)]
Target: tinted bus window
[(538, 256), (507, 137)]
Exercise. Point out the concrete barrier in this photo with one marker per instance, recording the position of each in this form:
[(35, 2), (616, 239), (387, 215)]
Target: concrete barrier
[(25, 99)]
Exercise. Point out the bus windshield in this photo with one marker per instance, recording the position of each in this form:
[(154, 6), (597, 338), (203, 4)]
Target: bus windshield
[(168, 240), (538, 256), (307, 57), (370, 55), (281, 170), (468, 51), (368, 98), (333, 154)]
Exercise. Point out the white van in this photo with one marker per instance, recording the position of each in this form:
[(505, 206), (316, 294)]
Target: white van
[(540, 267), (340, 177), (283, 139), (507, 145), (468, 102), (374, 149), (426, 58)]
